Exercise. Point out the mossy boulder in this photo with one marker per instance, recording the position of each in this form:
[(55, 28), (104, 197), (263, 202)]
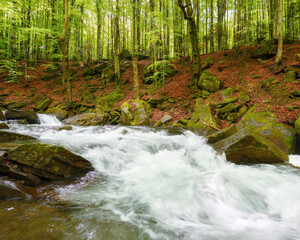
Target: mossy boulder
[(136, 113), (58, 112), (95, 70), (108, 74), (221, 134), (49, 161), (243, 97), (295, 94), (209, 82), (10, 136), (30, 116), (290, 76), (249, 146), (265, 51), (66, 128), (86, 119), (265, 122), (2, 117), (225, 102), (269, 83), (227, 91), (42, 105), (125, 55), (202, 119), (50, 77), (207, 63), (3, 126)]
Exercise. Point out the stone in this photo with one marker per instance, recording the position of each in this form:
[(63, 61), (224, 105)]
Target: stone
[(270, 82), (244, 97), (3, 126), (166, 118), (221, 134), (94, 70), (108, 74), (10, 136), (209, 82), (125, 55), (232, 117), (227, 91), (2, 117), (202, 119), (248, 146), (59, 113), (30, 116), (295, 94), (10, 192), (86, 119), (297, 129), (265, 51), (67, 128), (42, 105), (136, 113), (49, 161), (242, 110), (50, 77), (290, 76), (224, 103), (207, 63), (228, 108)]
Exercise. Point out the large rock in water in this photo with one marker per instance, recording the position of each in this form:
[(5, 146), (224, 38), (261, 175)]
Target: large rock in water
[(282, 135), (136, 113), (59, 113), (30, 116), (249, 146), (86, 119), (49, 161), (2, 117), (10, 136), (202, 119)]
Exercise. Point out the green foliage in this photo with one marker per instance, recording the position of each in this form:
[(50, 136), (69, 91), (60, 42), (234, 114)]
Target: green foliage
[(10, 67)]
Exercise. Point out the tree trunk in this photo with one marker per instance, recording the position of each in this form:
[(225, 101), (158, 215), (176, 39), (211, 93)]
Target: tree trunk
[(189, 15), (212, 26), (63, 43), (116, 44), (278, 59), (98, 3), (135, 56)]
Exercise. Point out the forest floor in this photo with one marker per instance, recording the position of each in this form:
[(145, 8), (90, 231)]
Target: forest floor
[(235, 67)]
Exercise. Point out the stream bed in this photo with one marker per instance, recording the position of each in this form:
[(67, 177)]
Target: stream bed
[(155, 184)]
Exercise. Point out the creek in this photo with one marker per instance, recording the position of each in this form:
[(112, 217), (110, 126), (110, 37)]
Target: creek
[(155, 184)]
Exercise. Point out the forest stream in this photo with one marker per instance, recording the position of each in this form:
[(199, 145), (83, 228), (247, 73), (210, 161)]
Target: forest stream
[(155, 184)]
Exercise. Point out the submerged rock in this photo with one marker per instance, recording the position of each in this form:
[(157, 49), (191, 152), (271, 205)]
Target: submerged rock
[(86, 119), (30, 116), (248, 146), (49, 161), (10, 136)]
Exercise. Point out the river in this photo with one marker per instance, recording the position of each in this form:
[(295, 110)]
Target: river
[(155, 184)]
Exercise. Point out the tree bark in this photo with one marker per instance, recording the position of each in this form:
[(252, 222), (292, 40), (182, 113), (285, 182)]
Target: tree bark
[(117, 43), (135, 56), (189, 14), (278, 59)]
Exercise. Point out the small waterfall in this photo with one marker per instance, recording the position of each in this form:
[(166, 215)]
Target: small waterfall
[(47, 119)]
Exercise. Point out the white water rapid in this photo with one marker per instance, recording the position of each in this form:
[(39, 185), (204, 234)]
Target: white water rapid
[(169, 184), (50, 120)]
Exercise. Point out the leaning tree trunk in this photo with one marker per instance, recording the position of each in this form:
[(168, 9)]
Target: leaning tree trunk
[(280, 34), (189, 15), (63, 43)]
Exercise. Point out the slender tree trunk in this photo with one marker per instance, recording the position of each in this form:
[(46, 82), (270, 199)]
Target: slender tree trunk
[(63, 42), (98, 3), (278, 59), (189, 15), (27, 43), (117, 43), (212, 26), (135, 56)]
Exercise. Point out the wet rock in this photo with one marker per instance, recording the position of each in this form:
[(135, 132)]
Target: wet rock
[(58, 112), (202, 119), (67, 128), (209, 82), (221, 134), (49, 161), (248, 146), (30, 116), (86, 119), (3, 126), (2, 117), (10, 136), (42, 105), (265, 122), (136, 113), (9, 191)]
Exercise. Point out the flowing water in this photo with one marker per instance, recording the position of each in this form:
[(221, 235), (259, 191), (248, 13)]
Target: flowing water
[(155, 184)]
